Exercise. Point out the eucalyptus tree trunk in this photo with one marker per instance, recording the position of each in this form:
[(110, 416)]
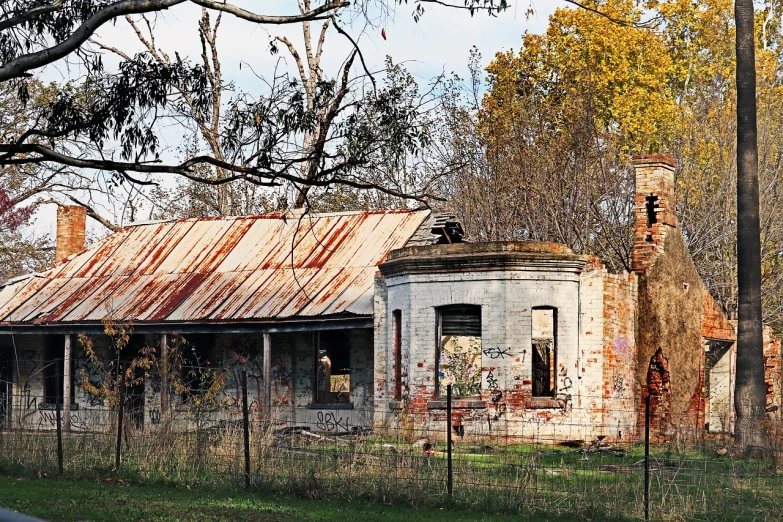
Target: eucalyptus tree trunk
[(750, 390)]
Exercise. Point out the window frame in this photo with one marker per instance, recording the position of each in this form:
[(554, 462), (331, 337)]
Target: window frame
[(553, 368), (320, 399), (397, 349), (439, 312)]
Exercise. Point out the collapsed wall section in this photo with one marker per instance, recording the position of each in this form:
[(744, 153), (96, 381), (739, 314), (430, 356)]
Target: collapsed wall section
[(669, 317)]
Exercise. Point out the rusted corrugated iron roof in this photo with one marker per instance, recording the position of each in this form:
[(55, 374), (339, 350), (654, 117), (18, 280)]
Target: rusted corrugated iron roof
[(272, 266)]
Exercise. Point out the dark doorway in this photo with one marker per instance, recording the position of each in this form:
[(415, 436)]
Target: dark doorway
[(134, 392), (53, 370), (6, 376)]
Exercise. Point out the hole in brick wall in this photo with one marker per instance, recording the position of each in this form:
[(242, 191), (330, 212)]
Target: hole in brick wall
[(652, 205), (648, 238), (659, 392)]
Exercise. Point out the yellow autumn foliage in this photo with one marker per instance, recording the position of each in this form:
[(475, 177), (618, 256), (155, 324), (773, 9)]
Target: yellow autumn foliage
[(641, 76)]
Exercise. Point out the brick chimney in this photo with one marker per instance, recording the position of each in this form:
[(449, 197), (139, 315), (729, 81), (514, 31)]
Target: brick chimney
[(654, 207), (71, 221)]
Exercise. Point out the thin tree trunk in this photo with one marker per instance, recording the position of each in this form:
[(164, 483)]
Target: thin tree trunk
[(750, 390)]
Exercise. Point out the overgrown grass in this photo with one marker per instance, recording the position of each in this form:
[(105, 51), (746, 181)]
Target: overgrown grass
[(687, 482)]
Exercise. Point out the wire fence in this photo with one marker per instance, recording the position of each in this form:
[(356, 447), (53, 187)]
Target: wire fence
[(413, 459)]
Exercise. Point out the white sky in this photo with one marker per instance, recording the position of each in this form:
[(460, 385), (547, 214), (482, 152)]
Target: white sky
[(439, 42)]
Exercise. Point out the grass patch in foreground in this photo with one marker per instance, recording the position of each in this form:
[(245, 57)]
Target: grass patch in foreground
[(95, 501)]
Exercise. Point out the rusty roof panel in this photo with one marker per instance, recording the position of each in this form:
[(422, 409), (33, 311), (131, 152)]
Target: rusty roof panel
[(34, 295), (88, 262), (98, 304), (13, 296), (227, 269)]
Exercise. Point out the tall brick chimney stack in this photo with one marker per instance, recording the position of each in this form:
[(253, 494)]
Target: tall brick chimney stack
[(71, 222), (654, 207)]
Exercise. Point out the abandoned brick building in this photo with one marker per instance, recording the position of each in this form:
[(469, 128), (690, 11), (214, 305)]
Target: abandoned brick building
[(357, 320)]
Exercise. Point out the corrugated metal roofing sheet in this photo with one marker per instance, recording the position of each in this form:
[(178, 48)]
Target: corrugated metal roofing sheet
[(229, 269)]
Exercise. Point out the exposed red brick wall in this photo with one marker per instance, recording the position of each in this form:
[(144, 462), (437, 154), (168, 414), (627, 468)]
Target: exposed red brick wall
[(715, 325), (658, 388), (71, 222), (772, 376), (671, 292), (619, 351), (654, 175)]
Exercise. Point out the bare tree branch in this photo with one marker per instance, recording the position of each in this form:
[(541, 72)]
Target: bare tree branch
[(313, 14), (619, 21), (20, 65)]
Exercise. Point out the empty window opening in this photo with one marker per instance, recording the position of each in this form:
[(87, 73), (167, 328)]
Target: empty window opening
[(544, 360), (333, 367), (196, 355), (459, 350), (719, 368), (397, 331), (652, 206)]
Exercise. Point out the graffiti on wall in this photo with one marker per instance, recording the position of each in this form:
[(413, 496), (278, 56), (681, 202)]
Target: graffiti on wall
[(87, 370), (623, 352), (564, 389), (47, 419), (329, 421), (280, 380)]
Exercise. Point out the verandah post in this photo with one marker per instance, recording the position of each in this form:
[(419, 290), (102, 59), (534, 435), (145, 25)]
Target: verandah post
[(120, 413), (246, 429)]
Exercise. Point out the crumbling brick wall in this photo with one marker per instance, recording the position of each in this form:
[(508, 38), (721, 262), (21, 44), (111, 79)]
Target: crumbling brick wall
[(670, 292), (670, 317), (619, 350), (772, 376)]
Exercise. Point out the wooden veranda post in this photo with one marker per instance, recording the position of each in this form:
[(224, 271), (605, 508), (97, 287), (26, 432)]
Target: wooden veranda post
[(268, 376), (67, 383), (164, 376)]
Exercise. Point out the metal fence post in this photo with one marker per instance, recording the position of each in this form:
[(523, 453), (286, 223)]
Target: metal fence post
[(246, 428), (647, 458), (120, 414), (450, 480)]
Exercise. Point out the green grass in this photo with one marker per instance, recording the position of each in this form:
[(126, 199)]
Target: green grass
[(117, 500), (687, 482)]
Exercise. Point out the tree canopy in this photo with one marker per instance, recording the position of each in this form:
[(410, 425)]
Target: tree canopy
[(563, 113)]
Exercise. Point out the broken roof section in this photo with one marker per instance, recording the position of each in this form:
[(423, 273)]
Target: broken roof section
[(226, 270)]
